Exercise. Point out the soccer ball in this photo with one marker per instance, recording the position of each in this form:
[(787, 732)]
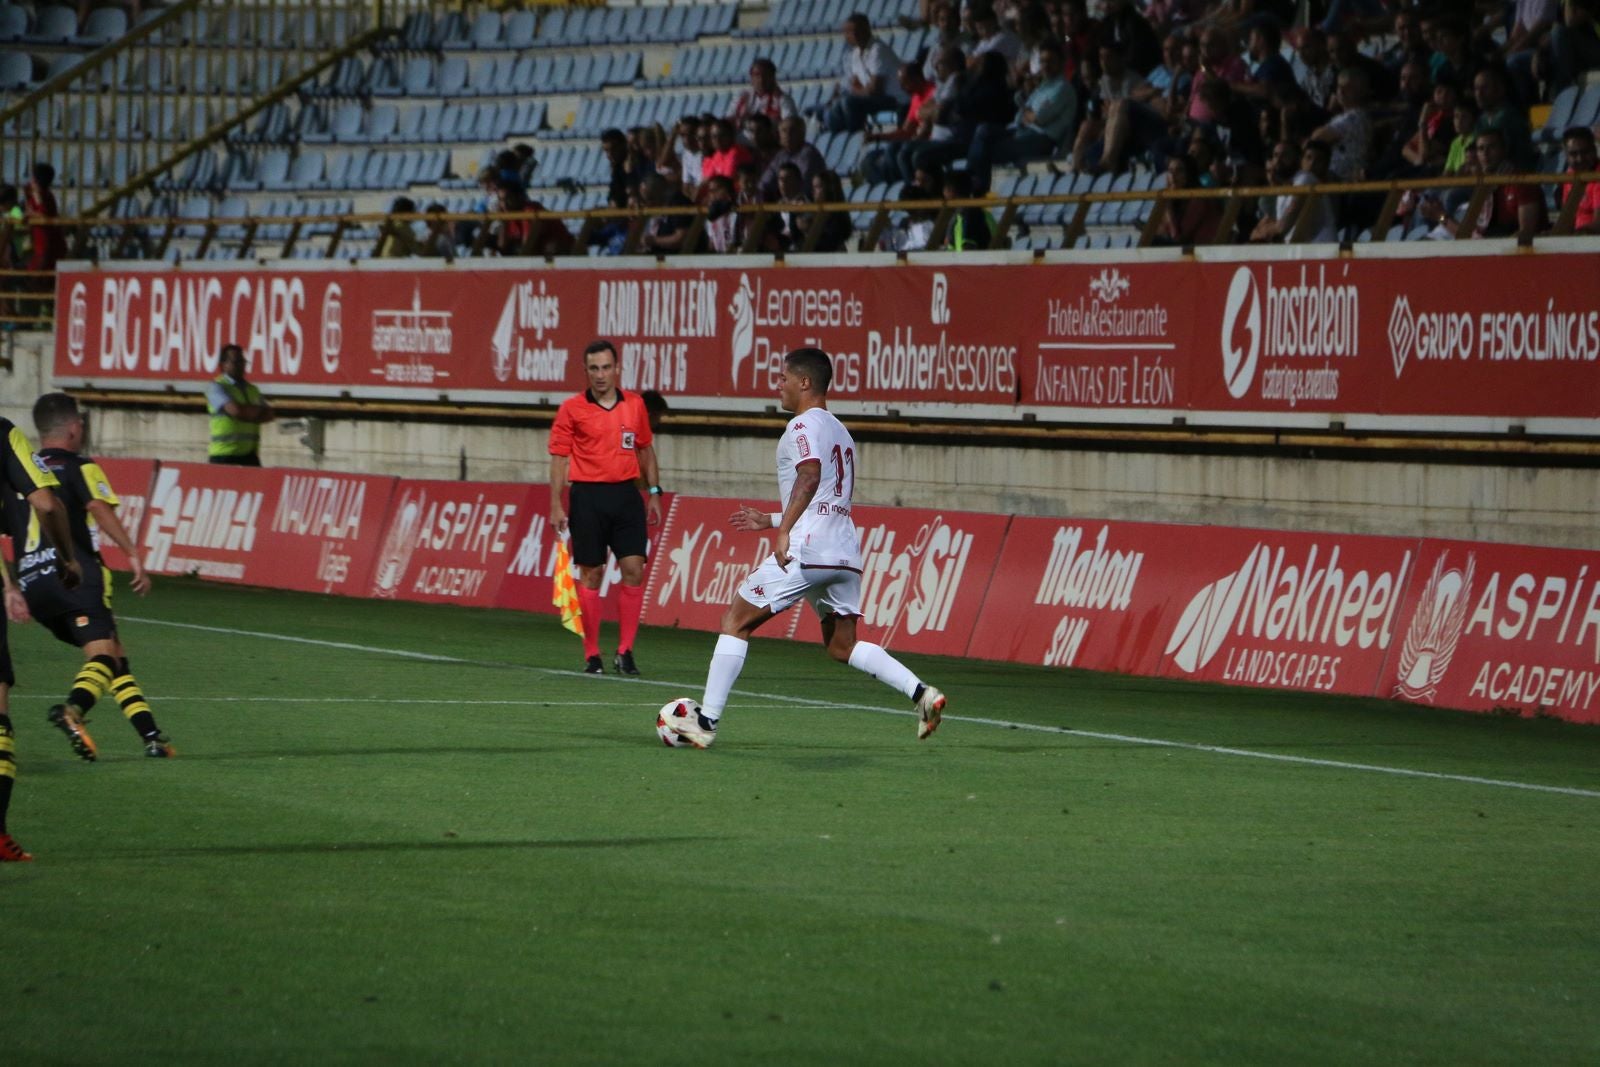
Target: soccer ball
[(681, 708)]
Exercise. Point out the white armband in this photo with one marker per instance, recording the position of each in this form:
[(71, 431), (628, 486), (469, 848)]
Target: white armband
[(777, 519)]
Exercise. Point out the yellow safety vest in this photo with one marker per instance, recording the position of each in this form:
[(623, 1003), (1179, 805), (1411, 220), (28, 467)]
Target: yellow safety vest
[(231, 436)]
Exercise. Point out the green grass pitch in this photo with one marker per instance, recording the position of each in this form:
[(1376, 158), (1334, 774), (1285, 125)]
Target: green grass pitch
[(483, 856)]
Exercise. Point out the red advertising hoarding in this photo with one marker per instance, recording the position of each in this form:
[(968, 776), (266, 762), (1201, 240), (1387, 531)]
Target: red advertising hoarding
[(130, 480), (290, 529), (1442, 335), (449, 542), (1490, 627)]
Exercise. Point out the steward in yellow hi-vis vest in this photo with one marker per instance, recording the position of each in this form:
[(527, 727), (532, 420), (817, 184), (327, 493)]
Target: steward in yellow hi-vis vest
[(237, 412)]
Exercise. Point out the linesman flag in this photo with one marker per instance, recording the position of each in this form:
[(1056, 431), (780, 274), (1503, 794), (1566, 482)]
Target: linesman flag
[(564, 594)]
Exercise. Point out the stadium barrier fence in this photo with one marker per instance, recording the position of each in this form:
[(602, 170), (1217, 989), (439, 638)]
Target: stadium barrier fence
[(1481, 627)]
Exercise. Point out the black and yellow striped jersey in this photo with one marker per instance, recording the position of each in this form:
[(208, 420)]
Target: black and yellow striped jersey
[(79, 480)]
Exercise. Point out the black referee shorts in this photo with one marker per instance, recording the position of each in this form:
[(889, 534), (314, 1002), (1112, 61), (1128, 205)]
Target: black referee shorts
[(606, 515)]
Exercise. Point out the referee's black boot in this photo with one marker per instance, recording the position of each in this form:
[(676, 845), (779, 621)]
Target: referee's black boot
[(593, 666), (624, 664)]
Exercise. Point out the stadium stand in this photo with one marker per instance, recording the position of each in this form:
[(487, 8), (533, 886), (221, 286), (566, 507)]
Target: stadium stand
[(238, 110)]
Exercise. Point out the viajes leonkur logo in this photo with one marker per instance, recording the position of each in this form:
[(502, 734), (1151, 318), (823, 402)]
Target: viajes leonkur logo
[(529, 308), (1241, 313), (1435, 629), (1402, 332)]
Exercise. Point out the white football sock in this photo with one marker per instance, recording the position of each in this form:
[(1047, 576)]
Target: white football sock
[(727, 660), (874, 660)]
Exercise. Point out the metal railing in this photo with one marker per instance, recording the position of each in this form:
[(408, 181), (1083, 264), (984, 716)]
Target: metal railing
[(247, 237), (130, 111)]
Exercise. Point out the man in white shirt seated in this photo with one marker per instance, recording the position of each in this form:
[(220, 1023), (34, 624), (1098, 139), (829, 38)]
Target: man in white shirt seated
[(1280, 226), (869, 84), (1043, 125)]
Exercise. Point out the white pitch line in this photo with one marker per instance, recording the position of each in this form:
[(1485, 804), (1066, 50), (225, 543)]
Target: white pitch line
[(1153, 742)]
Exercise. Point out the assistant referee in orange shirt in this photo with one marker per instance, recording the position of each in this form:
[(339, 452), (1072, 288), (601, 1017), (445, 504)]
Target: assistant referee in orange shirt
[(600, 444)]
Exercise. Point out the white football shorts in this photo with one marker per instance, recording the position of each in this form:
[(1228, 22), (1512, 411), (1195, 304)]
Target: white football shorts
[(829, 590)]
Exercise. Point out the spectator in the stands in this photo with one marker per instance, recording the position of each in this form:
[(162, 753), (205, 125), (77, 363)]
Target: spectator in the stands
[(1526, 38), (727, 154), (1518, 210), (1033, 32), (793, 191), (610, 236), (1409, 45), (991, 36), (1219, 62), (1464, 123), (793, 148), (1452, 57), (1120, 115), (882, 164), (1171, 65), (1396, 131), (984, 103), (971, 229), (1042, 128), (723, 231), (947, 19), (1288, 210), (1169, 15), (1080, 35), (869, 82), (14, 246), (508, 169), (1349, 133), (1267, 66), (1574, 43), (439, 240), (686, 142), (664, 233), (399, 239), (826, 188), (1314, 68), (747, 184), (614, 143), (1123, 25), (49, 242), (1425, 152), (1187, 222), (764, 96), (1496, 111), (1578, 142), (526, 163), (762, 139), (1347, 53)]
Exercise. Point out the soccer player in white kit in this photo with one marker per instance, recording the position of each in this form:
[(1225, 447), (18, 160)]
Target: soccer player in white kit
[(817, 556)]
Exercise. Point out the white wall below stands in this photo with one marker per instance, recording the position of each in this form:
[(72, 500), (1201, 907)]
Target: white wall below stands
[(1530, 505)]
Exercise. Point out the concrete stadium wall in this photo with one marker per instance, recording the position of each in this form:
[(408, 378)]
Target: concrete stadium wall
[(1517, 504)]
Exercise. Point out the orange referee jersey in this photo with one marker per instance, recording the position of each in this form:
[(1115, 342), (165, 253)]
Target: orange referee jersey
[(601, 442)]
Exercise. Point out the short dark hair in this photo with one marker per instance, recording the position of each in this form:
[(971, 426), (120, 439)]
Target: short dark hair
[(1580, 133), (229, 347), (612, 136), (859, 21), (52, 412), (600, 344), (44, 174), (811, 363), (767, 64), (1321, 148)]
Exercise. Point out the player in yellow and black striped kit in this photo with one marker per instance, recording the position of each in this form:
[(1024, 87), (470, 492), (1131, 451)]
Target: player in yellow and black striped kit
[(24, 476), (82, 616)]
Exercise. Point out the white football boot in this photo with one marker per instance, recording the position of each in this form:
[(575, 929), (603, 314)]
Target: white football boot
[(931, 709)]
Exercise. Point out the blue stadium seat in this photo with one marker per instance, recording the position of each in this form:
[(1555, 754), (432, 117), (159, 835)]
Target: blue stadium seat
[(13, 23), (104, 25), (54, 24), (486, 30), (553, 28), (381, 123), (307, 172), (518, 30)]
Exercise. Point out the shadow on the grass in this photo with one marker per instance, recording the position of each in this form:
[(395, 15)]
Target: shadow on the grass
[(331, 847)]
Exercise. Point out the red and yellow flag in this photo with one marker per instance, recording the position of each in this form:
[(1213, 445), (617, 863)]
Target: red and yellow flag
[(564, 595)]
